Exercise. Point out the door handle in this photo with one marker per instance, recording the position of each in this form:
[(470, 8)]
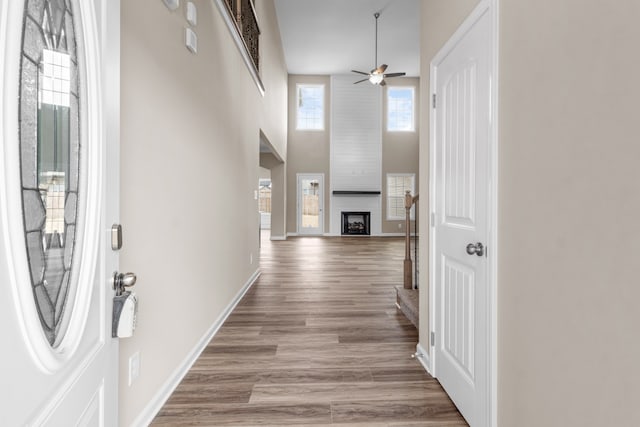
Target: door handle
[(475, 249), (123, 280)]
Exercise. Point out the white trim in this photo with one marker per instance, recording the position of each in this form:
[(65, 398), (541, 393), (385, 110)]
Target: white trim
[(423, 357), (154, 406), (86, 252), (413, 113), (412, 212), (278, 238), (311, 175), (324, 107), (231, 25), (492, 273), (491, 7)]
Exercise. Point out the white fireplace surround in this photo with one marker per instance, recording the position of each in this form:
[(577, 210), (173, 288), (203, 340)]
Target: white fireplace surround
[(356, 151), (356, 203)]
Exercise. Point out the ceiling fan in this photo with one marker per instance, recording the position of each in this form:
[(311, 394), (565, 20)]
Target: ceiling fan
[(377, 75)]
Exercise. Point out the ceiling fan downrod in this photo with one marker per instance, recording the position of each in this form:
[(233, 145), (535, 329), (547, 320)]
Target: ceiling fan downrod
[(376, 15)]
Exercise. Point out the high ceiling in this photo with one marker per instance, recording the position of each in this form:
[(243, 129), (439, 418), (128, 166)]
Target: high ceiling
[(336, 36)]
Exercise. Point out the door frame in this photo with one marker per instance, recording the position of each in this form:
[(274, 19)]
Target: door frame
[(484, 7), (300, 176)]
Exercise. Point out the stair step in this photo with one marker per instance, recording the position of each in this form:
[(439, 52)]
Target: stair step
[(407, 302)]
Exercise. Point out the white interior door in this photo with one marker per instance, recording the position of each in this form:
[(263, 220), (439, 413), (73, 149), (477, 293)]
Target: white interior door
[(58, 198), (460, 142), (310, 204)]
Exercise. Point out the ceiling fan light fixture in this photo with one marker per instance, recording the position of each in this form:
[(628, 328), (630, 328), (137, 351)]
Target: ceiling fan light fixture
[(377, 75), (376, 79)]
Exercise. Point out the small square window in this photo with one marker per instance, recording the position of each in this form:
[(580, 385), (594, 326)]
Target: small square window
[(400, 109), (310, 107)]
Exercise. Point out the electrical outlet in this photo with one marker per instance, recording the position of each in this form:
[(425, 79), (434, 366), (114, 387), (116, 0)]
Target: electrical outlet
[(134, 367), (400, 226), (251, 258)]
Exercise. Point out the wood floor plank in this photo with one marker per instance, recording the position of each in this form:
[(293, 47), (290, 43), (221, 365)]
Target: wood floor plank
[(434, 409), (243, 414), (317, 341), (336, 392)]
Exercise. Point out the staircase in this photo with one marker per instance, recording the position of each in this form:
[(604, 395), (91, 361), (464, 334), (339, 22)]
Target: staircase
[(407, 296), (407, 302)]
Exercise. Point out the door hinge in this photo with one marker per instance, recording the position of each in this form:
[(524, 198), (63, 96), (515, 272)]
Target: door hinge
[(433, 339), (433, 100)]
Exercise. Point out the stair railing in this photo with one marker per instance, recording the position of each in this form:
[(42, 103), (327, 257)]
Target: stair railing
[(409, 201)]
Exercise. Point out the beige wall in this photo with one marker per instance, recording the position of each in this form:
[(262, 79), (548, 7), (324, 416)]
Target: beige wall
[(264, 173), (278, 201), (399, 151), (569, 206), (190, 146), (440, 19), (308, 151)]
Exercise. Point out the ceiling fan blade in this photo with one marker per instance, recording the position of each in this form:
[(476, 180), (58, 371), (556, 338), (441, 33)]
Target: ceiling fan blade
[(394, 74), (360, 81), (360, 72), (380, 69)]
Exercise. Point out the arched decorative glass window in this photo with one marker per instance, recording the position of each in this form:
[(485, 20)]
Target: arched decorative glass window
[(50, 156)]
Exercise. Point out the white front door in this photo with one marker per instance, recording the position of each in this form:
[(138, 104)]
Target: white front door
[(461, 82), (310, 204), (58, 199)]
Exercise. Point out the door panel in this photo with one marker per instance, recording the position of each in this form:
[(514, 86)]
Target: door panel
[(310, 204), (458, 326), (460, 145), (461, 139), (56, 207)]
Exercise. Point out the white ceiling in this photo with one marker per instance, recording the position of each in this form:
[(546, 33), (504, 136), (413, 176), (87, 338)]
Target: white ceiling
[(337, 36)]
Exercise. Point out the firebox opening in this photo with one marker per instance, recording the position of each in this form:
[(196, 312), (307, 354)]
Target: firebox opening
[(356, 223)]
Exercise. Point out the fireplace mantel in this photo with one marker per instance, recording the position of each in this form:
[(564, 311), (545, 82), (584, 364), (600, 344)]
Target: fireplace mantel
[(355, 193)]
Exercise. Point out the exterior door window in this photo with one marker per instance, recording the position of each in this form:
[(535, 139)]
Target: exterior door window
[(50, 157)]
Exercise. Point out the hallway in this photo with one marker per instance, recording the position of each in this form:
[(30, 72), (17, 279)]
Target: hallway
[(316, 341)]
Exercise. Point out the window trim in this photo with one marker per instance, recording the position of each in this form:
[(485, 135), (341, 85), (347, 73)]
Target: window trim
[(388, 215), (297, 101), (413, 108)]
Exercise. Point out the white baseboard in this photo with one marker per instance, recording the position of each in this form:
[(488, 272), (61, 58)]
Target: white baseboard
[(278, 237), (155, 405), (423, 358)]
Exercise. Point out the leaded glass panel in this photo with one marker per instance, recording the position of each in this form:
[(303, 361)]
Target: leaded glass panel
[(50, 156)]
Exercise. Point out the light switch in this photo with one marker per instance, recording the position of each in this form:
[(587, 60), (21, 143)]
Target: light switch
[(192, 14), (191, 40), (172, 4)]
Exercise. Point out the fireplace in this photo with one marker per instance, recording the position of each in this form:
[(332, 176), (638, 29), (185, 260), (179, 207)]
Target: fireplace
[(356, 223)]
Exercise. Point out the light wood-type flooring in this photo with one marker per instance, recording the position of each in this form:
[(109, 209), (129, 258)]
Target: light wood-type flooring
[(317, 341)]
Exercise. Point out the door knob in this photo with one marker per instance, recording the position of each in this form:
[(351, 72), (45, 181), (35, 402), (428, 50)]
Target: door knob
[(123, 280), (475, 249)]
